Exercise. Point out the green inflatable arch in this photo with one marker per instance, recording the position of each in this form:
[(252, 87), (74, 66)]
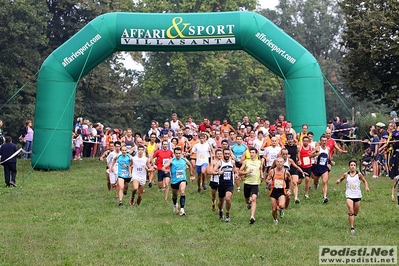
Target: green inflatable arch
[(251, 32)]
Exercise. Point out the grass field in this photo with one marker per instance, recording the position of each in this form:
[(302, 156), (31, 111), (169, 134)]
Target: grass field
[(70, 218)]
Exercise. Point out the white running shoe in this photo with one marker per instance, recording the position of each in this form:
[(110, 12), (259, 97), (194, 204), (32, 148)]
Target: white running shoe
[(297, 200), (182, 213), (175, 208), (276, 222)]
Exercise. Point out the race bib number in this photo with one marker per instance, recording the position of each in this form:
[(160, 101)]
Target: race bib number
[(202, 158), (273, 156), (323, 161), (306, 160), (278, 183), (227, 176), (139, 169), (353, 187), (179, 174), (239, 157), (253, 171), (125, 173), (164, 161)]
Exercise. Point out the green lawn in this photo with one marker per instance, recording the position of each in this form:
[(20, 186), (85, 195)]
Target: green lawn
[(70, 218)]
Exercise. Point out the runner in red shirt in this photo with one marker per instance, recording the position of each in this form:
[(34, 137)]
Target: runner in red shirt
[(331, 144), (162, 156), (305, 162)]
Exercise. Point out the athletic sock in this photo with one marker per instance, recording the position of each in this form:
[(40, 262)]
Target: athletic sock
[(182, 201), (174, 201)]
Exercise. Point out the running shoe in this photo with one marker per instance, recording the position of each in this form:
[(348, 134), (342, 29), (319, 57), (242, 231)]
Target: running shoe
[(199, 190), (238, 189), (352, 232), (125, 191), (131, 202), (182, 213), (120, 203), (150, 185), (306, 196), (281, 212), (175, 208), (252, 220), (13, 184), (276, 222), (203, 186), (297, 200), (220, 215), (249, 206), (325, 200), (316, 186), (213, 206), (227, 218)]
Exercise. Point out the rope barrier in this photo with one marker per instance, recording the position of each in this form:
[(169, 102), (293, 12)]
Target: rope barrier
[(12, 156), (345, 129)]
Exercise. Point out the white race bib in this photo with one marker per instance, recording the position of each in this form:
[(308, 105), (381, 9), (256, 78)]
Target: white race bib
[(227, 176), (278, 183), (139, 169), (125, 173), (306, 160), (179, 174), (323, 161)]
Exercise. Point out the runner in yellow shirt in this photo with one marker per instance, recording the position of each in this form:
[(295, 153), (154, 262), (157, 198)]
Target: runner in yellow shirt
[(251, 170)]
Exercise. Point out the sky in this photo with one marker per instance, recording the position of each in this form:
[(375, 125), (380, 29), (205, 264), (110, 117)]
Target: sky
[(268, 3)]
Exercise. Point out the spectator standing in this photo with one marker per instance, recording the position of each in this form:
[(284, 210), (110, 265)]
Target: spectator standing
[(9, 162), (79, 124), (28, 138), (374, 145)]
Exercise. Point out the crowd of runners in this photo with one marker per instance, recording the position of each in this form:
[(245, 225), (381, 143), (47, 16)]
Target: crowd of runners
[(220, 156)]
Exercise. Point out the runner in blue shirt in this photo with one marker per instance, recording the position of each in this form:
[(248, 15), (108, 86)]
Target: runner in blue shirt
[(178, 166)]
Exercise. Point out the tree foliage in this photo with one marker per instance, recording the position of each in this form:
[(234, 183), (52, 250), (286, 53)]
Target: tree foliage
[(22, 35), (371, 53), (317, 25)]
